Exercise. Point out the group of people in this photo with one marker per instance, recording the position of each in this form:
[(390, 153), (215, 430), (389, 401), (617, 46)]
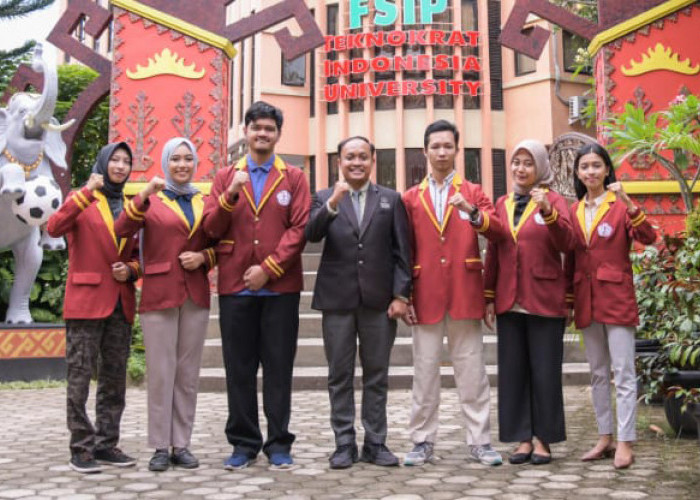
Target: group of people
[(386, 256)]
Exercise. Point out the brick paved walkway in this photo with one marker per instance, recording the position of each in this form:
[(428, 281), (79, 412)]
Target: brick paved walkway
[(34, 455)]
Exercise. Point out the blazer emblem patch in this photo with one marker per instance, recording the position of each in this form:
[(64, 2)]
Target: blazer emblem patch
[(284, 198), (605, 230), (539, 219)]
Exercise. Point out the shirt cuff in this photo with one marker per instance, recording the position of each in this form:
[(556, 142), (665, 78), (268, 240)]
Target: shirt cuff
[(332, 211)]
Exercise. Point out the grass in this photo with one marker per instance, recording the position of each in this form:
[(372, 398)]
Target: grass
[(34, 384)]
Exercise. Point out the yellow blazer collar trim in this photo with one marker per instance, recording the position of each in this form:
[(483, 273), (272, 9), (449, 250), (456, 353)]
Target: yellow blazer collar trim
[(106, 213), (600, 213), (456, 185), (510, 210), (279, 167), (197, 209)]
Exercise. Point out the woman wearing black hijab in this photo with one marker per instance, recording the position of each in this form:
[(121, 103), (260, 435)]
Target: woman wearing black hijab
[(98, 308)]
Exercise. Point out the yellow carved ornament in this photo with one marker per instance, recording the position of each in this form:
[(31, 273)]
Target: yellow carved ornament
[(166, 63), (660, 58)]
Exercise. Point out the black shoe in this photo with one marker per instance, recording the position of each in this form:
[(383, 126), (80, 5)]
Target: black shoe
[(114, 456), (160, 461), (182, 457), (344, 456), (537, 459), (378, 454), (520, 458), (85, 463)]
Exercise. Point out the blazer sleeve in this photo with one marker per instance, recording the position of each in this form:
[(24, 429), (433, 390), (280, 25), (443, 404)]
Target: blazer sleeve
[(558, 223), (490, 227), (401, 242), (639, 228), (491, 271), (569, 270), (292, 242), (218, 207), (63, 220), (132, 217), (320, 218)]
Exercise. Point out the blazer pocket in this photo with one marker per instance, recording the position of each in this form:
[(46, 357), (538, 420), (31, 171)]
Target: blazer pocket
[(610, 275), (473, 264), (157, 268), (416, 271), (86, 278), (224, 247), (545, 273)]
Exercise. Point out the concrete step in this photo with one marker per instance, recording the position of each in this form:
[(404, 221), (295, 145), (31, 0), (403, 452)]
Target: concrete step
[(400, 377), (310, 261), (309, 326), (310, 352)]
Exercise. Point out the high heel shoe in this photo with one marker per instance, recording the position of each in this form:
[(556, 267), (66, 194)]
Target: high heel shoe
[(592, 455)]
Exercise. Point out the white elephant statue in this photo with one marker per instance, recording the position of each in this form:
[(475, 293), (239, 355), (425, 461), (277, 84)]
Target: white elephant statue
[(29, 137)]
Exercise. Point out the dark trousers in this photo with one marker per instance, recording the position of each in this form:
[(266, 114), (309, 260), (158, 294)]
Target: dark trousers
[(103, 345), (530, 400), (259, 330), (376, 333)]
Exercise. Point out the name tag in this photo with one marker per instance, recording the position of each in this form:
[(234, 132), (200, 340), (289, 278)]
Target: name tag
[(384, 203), (605, 230)]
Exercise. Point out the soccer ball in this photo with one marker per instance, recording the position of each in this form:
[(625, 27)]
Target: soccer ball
[(42, 198)]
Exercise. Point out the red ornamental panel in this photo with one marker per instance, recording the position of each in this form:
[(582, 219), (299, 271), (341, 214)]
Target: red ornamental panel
[(167, 84), (650, 67)]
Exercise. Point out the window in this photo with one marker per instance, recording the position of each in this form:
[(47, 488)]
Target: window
[(294, 71), (414, 101), (332, 168), (312, 82), (498, 160), (386, 168), (470, 23), (384, 102), (312, 174), (241, 82), (495, 61), (332, 27), (472, 165), (524, 64), (572, 44), (416, 166)]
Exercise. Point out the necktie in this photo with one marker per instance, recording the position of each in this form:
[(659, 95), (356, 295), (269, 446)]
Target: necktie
[(356, 205)]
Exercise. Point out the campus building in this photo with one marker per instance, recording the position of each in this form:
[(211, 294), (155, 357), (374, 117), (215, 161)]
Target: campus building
[(388, 69)]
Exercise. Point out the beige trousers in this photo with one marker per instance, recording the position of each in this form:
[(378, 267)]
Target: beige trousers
[(174, 340), (465, 342), (608, 345)]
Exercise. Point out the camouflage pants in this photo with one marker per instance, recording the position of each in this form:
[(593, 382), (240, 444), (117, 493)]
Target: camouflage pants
[(102, 345)]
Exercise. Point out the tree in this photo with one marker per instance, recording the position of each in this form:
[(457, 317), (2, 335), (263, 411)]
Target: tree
[(670, 137), (11, 59), (72, 80)]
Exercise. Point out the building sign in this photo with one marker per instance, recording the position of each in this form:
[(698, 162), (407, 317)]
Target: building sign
[(385, 13)]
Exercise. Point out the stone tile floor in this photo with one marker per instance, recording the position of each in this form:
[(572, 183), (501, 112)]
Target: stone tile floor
[(34, 456)]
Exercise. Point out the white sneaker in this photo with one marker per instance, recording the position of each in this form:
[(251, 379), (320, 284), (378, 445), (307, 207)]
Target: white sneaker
[(420, 454), (485, 454)]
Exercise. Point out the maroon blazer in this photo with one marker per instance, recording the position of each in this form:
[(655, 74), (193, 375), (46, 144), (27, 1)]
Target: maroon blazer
[(525, 264), (599, 269), (166, 234), (447, 270), (85, 219), (270, 235)]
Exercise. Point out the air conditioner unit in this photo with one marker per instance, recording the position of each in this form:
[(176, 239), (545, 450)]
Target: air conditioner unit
[(576, 106)]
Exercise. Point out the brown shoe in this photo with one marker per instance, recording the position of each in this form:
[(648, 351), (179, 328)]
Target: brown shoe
[(595, 454)]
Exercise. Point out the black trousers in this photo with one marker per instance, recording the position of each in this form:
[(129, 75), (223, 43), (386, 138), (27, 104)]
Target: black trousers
[(102, 345), (530, 400), (259, 330), (376, 334)]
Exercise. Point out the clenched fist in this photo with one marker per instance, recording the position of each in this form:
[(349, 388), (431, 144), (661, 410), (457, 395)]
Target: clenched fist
[(616, 187), (239, 180), (539, 196), (155, 185), (341, 187), (458, 201), (96, 181)]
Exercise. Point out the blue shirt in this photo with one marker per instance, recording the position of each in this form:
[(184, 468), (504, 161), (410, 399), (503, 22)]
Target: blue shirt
[(185, 203), (258, 176)]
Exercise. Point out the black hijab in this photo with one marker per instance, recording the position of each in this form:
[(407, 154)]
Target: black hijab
[(112, 191)]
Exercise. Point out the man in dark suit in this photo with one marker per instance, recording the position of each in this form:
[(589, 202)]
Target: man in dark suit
[(362, 287)]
